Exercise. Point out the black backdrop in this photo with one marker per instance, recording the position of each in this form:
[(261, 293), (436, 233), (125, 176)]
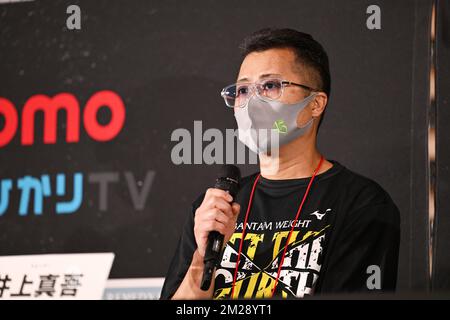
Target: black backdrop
[(168, 61)]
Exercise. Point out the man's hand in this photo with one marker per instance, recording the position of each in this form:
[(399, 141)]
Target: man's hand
[(215, 214)]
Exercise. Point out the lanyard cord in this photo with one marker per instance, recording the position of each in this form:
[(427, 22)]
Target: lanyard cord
[(289, 235), (243, 231)]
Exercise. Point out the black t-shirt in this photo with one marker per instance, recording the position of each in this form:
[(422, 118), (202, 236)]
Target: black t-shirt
[(346, 239)]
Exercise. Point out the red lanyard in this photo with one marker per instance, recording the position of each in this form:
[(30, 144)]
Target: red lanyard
[(289, 235)]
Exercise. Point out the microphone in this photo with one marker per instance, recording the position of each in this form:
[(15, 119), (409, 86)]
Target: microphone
[(228, 179)]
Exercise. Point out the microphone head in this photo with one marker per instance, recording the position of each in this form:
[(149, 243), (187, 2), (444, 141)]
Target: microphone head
[(230, 172)]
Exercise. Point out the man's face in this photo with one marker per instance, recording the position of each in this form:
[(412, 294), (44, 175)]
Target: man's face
[(278, 63)]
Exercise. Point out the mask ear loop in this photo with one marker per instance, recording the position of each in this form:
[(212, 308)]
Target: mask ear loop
[(306, 125)]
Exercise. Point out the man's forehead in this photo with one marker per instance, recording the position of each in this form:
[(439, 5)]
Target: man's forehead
[(269, 63), (264, 75), (287, 74)]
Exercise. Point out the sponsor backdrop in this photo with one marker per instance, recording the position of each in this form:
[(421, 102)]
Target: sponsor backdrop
[(89, 119)]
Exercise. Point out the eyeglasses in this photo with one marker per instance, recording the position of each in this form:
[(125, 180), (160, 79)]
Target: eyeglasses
[(238, 94)]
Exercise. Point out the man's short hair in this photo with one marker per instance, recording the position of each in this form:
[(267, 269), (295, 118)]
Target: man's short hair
[(308, 51)]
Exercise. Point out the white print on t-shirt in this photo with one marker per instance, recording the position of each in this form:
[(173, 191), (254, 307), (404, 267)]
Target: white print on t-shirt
[(298, 275), (319, 215), (263, 226)]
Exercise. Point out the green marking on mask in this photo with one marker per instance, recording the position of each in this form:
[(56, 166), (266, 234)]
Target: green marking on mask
[(280, 126)]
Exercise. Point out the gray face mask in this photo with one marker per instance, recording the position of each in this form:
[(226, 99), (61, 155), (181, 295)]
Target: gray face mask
[(260, 122)]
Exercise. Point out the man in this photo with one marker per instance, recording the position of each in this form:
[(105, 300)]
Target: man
[(303, 225)]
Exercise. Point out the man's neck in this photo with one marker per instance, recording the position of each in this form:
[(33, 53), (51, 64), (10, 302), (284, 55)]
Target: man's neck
[(295, 161)]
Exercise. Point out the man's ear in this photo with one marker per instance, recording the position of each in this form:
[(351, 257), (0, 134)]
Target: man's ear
[(319, 104)]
